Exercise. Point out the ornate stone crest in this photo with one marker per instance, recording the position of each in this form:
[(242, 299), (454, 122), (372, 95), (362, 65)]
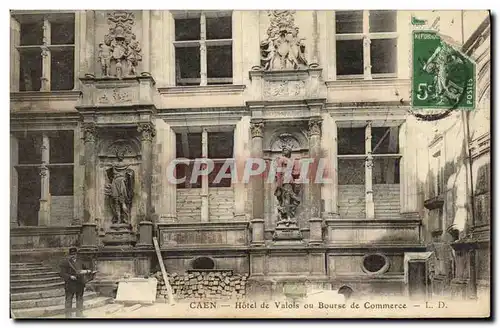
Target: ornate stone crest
[(120, 53), (286, 140), (284, 88), (282, 50)]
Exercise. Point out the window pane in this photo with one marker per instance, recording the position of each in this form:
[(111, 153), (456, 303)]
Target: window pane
[(349, 57), (219, 28), (383, 55), (31, 70), (31, 34), (187, 65), (183, 170), (62, 33), (224, 182), (383, 21), (219, 61), (187, 29), (62, 70), (30, 149), (220, 144), (351, 141), (385, 140), (61, 147), (28, 196), (386, 170), (349, 22), (61, 181), (351, 171)]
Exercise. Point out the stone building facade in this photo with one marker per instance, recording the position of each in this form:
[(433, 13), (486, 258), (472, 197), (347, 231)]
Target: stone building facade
[(105, 100)]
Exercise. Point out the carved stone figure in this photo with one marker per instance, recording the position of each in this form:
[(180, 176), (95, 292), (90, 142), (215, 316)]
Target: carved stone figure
[(282, 50), (287, 191), (120, 190), (123, 48), (105, 58)]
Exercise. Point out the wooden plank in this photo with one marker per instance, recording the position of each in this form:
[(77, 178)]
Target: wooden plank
[(163, 271)]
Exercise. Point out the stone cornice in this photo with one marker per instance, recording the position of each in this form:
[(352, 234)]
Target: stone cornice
[(41, 95), (38, 231), (359, 84), (202, 90)]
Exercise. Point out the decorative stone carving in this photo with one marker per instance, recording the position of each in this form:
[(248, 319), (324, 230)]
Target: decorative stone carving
[(284, 88), (287, 194), (282, 50), (89, 132), (147, 131), (314, 127), (285, 140), (120, 47), (256, 129), (116, 96), (43, 170), (120, 189)]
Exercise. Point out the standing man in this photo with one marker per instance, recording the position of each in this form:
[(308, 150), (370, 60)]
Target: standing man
[(75, 275)]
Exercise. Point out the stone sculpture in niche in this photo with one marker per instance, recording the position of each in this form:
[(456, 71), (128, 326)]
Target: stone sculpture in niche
[(287, 190), (120, 189), (120, 47), (283, 49)]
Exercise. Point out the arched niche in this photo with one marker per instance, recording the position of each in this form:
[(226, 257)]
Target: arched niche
[(292, 137), (129, 148)]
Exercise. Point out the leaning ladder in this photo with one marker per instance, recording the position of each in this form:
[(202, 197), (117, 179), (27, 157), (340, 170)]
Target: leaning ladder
[(163, 272)]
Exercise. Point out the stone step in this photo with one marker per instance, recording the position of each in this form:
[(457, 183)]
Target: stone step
[(35, 287), (33, 275), (44, 302), (57, 309), (25, 265), (32, 270), (37, 294), (27, 282)]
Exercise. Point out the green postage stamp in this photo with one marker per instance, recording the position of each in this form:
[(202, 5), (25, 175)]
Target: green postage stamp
[(443, 77)]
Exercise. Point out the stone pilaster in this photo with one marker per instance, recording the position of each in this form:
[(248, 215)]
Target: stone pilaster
[(257, 183), (89, 233), (241, 154), (46, 61), (15, 37), (147, 133), (370, 207), (146, 49), (315, 220), (203, 50), (408, 171), (166, 190), (204, 179), (14, 182), (90, 139), (44, 211)]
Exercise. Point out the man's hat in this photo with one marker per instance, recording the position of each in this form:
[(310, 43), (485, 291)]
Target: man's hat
[(73, 250)]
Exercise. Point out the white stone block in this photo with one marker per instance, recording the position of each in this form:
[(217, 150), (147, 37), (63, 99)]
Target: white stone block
[(137, 290)]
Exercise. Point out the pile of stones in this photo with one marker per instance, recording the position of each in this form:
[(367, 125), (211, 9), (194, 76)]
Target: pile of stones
[(203, 285)]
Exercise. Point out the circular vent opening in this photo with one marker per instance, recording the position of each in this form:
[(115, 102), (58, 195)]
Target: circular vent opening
[(375, 263), (203, 263)]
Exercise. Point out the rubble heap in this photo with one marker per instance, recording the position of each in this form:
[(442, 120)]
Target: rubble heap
[(220, 284)]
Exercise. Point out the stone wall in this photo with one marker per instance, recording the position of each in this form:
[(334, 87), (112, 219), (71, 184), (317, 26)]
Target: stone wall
[(61, 210), (203, 285)]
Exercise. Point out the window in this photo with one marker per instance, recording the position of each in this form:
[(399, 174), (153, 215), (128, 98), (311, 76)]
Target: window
[(220, 148), (369, 171), (375, 263), (203, 48), (46, 51), (36, 150), (366, 44)]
